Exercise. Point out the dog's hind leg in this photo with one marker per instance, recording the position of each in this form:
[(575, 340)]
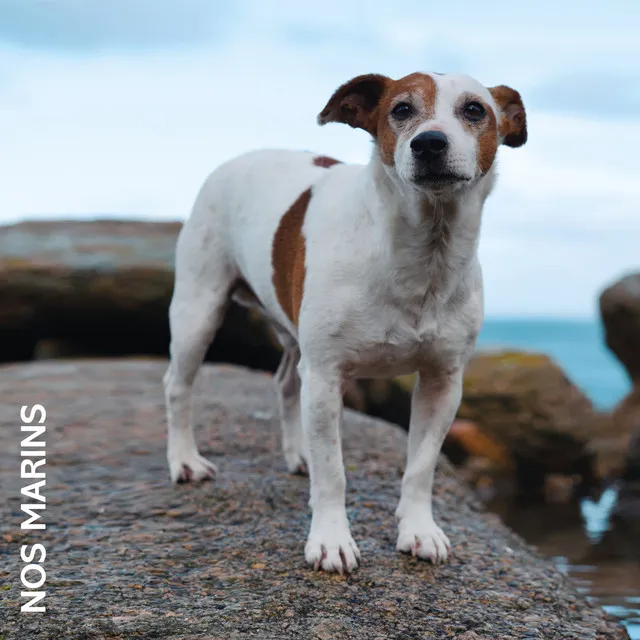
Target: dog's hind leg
[(287, 383), (193, 321), (199, 302)]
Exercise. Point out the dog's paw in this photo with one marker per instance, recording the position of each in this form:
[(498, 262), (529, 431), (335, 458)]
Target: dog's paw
[(330, 547), (191, 468), (296, 463), (423, 538)]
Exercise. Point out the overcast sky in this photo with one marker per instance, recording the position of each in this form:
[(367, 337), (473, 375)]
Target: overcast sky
[(122, 108)]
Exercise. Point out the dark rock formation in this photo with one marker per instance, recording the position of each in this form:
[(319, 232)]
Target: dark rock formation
[(620, 309), (103, 288), (625, 420)]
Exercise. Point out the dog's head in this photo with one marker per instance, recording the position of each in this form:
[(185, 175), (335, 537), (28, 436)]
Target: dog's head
[(438, 133)]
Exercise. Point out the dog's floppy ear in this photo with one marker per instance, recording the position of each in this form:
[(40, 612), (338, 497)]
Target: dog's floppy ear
[(355, 103), (513, 121)]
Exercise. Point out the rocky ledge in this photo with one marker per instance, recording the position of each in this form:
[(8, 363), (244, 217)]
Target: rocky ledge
[(129, 556), (102, 289)]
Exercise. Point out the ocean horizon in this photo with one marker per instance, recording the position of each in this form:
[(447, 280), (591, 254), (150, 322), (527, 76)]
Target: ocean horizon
[(577, 345)]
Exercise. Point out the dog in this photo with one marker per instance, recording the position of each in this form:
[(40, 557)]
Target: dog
[(364, 271)]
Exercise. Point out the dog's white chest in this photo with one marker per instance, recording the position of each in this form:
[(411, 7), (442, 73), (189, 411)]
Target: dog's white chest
[(390, 342)]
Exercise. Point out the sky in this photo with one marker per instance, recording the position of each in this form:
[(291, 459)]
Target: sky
[(122, 108)]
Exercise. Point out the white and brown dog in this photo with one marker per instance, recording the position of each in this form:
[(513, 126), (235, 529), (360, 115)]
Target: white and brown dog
[(363, 271)]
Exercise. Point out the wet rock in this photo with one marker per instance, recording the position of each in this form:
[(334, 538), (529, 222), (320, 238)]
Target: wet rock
[(388, 399), (626, 417), (609, 442), (632, 467), (626, 422), (466, 440), (525, 402), (130, 556), (483, 462), (559, 488), (620, 310)]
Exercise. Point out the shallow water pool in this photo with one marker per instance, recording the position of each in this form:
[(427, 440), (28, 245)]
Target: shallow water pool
[(589, 542)]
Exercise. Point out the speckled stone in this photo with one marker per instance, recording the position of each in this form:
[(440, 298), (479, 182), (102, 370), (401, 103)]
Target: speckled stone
[(130, 556)]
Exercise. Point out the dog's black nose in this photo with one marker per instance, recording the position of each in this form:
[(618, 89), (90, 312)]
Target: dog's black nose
[(429, 143)]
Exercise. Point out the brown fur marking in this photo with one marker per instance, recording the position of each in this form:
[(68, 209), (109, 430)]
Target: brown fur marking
[(288, 257), (513, 123), (355, 102), (415, 85), (485, 131), (325, 161), (366, 101), (487, 141)]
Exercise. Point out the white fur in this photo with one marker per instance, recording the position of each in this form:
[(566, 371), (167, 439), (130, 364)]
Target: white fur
[(384, 295)]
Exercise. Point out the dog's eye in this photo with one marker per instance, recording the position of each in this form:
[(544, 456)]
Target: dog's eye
[(402, 111), (474, 111)]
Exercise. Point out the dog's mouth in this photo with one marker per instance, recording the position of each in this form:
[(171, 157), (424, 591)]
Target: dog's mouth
[(440, 179)]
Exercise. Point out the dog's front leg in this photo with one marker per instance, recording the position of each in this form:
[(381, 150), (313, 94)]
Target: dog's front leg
[(330, 545), (434, 404)]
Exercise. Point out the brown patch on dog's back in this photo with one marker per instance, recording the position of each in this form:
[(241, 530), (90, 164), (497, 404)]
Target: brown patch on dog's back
[(419, 86), (325, 161), (288, 257)]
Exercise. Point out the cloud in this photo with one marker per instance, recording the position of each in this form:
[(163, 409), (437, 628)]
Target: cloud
[(136, 132), (593, 93), (84, 25)]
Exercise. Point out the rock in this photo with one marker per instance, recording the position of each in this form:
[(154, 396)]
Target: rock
[(616, 443), (559, 488), (526, 402), (129, 555), (483, 463), (626, 422), (632, 467), (388, 399), (472, 442), (103, 288), (608, 443), (620, 310)]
